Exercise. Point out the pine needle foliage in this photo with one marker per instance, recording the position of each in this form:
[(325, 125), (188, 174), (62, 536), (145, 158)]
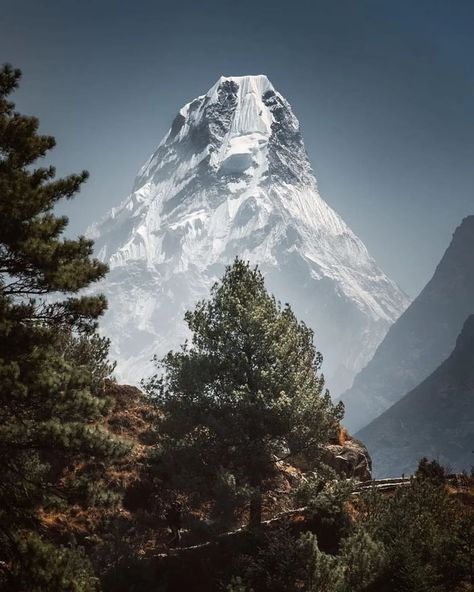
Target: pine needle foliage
[(244, 393), (52, 362)]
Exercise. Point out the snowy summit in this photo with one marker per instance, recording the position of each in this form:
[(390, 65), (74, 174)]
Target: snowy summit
[(232, 177)]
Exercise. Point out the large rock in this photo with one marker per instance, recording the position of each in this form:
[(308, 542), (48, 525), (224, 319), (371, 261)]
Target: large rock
[(351, 459), (347, 456)]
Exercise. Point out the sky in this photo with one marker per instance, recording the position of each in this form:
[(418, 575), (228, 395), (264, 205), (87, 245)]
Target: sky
[(383, 91)]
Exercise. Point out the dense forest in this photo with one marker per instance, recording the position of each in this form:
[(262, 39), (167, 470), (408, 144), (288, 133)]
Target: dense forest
[(215, 475)]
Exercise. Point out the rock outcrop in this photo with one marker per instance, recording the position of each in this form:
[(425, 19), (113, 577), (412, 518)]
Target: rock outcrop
[(347, 456), (350, 459)]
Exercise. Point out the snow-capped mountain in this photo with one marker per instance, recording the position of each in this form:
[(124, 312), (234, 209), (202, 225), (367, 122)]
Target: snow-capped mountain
[(232, 177)]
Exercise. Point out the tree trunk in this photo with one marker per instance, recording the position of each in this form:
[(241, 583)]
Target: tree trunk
[(255, 518)]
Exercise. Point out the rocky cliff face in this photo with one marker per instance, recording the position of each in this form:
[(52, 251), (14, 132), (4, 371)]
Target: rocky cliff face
[(421, 338), (436, 419), (232, 177)]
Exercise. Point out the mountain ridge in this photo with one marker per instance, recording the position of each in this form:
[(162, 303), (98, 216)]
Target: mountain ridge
[(423, 336), (434, 420)]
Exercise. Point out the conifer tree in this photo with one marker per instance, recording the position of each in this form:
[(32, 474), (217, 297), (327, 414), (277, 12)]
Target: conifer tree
[(245, 393), (424, 529), (50, 391)]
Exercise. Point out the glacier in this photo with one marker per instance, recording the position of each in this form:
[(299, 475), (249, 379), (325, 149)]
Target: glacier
[(232, 178)]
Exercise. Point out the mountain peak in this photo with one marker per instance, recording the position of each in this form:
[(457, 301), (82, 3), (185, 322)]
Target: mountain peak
[(458, 255), (467, 221), (241, 126), (256, 83), (245, 101), (232, 177), (464, 233)]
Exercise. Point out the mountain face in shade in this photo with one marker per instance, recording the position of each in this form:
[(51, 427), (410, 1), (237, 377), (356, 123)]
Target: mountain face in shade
[(421, 338), (436, 419), (232, 177)]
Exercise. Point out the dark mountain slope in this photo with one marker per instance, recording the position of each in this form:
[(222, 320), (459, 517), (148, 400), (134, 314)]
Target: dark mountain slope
[(421, 338), (436, 419)]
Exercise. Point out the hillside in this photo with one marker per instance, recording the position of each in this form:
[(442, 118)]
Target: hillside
[(435, 419), (421, 339)]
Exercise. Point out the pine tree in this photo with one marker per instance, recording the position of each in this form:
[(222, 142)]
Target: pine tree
[(362, 560), (424, 530), (245, 393), (50, 391)]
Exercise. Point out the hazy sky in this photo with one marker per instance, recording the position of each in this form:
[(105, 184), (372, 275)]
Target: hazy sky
[(383, 90)]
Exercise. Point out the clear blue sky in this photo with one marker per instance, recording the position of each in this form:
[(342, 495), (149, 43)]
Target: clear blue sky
[(383, 90)]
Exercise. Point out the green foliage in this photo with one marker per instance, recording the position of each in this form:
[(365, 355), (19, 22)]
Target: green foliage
[(427, 533), (359, 564), (362, 560), (431, 470), (237, 585), (419, 539), (90, 352), (52, 362), (34, 259), (323, 572), (326, 498), (39, 566), (285, 563), (279, 562), (244, 393)]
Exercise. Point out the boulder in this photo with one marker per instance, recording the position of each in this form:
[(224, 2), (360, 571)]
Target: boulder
[(349, 459)]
